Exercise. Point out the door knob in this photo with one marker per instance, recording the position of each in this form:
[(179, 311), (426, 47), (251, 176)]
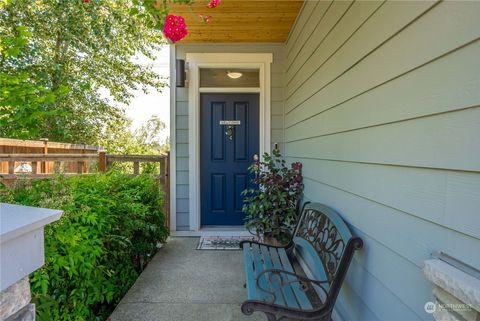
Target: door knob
[(255, 157)]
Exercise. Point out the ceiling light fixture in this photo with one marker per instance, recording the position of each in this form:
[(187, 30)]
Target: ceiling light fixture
[(234, 75)]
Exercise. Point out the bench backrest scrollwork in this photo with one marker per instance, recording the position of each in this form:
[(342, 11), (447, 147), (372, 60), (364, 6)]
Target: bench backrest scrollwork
[(324, 245)]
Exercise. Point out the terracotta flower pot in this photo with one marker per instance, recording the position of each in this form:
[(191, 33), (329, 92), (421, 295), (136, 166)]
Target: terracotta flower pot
[(270, 240), (281, 239)]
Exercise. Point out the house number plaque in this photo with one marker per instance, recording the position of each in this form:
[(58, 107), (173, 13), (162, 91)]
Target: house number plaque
[(230, 122)]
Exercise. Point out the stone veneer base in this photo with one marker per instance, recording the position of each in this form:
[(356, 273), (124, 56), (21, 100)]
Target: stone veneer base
[(457, 293), (14, 298)]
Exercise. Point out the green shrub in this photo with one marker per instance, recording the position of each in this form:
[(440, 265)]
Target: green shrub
[(271, 207), (94, 253)]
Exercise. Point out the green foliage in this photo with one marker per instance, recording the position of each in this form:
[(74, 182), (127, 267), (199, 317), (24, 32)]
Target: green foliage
[(19, 94), (154, 11), (271, 207), (95, 252), (144, 140), (61, 58)]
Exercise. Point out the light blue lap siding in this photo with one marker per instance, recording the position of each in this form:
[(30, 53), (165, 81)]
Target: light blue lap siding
[(378, 111)]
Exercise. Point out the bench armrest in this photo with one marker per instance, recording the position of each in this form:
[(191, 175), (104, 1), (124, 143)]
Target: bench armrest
[(282, 278)]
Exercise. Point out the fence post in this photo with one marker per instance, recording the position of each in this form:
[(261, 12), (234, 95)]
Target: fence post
[(34, 168), (11, 167), (80, 168), (136, 168), (86, 163), (167, 192), (162, 172), (43, 165), (56, 167), (102, 161)]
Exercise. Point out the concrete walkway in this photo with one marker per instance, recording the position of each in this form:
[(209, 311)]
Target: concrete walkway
[(183, 284)]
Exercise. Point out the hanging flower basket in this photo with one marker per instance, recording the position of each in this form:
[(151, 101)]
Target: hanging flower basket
[(175, 28)]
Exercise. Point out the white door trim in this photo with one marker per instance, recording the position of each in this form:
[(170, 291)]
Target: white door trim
[(195, 61), (173, 142)]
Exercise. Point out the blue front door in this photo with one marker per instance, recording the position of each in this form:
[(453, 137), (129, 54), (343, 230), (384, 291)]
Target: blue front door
[(229, 139)]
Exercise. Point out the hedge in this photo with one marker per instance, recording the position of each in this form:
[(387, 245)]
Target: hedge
[(110, 229)]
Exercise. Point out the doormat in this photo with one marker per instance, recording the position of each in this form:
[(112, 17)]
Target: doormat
[(221, 243)]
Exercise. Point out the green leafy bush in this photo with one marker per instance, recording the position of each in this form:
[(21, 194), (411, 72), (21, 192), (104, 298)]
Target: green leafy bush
[(270, 208), (94, 253)]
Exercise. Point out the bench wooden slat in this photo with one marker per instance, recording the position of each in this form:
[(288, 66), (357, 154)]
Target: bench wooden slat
[(287, 289), (301, 296), (249, 274), (258, 266), (268, 265)]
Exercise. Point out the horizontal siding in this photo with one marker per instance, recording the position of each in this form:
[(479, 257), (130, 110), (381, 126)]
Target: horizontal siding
[(329, 37), (410, 49), (350, 306), (277, 122), (447, 198), (182, 206), (182, 150), (182, 122), (300, 26), (181, 136), (277, 94), (409, 239), (448, 84), (182, 163), (382, 106), (393, 16), (181, 112), (182, 191), (417, 142), (381, 277), (182, 108), (182, 96), (182, 177)]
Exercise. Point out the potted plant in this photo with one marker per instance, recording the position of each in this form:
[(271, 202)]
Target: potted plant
[(271, 206)]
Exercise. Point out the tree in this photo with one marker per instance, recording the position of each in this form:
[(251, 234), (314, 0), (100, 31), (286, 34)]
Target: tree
[(144, 140), (56, 56)]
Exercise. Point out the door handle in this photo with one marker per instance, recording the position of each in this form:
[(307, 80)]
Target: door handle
[(229, 132)]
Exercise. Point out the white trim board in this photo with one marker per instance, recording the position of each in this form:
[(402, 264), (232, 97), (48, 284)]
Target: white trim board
[(173, 141), (195, 61)]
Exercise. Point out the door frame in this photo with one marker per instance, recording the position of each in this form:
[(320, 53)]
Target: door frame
[(195, 61)]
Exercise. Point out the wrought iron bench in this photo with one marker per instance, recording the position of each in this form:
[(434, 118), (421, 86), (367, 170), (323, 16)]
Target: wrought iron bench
[(322, 248)]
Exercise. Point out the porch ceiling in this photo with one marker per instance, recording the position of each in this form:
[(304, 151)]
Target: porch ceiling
[(239, 20)]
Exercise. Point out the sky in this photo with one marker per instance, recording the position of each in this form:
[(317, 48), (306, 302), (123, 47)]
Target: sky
[(144, 106)]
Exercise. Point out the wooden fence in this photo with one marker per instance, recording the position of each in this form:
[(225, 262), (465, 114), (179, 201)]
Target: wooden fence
[(43, 146), (79, 160)]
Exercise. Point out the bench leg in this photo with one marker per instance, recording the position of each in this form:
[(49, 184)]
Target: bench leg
[(245, 285), (270, 317)]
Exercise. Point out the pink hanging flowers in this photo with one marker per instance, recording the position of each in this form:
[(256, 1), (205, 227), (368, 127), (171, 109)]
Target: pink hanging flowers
[(204, 19), (213, 3), (175, 28)]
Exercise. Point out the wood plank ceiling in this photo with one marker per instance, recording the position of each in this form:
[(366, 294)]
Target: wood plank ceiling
[(239, 20)]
